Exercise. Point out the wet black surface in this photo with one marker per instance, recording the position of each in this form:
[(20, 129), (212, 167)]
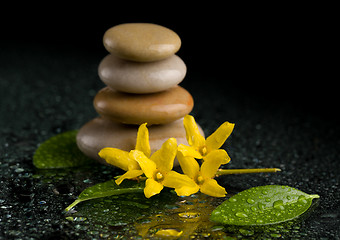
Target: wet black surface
[(48, 89)]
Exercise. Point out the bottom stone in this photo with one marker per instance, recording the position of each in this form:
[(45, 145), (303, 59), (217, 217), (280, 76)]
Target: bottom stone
[(100, 133)]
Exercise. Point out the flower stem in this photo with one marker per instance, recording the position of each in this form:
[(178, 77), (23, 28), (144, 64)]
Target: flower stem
[(221, 172)]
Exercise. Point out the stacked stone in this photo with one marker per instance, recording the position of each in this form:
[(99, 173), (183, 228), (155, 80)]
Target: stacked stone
[(142, 74)]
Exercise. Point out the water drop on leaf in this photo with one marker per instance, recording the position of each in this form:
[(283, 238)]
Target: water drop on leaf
[(246, 232), (261, 206), (254, 209), (241, 214), (278, 205), (282, 203)]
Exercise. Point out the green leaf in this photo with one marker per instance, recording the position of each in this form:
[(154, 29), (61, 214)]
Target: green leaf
[(263, 205), (106, 189), (60, 151)]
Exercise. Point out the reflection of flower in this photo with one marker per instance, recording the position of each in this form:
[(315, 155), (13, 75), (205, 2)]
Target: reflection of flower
[(121, 159), (203, 176), (168, 233), (199, 146), (158, 170)]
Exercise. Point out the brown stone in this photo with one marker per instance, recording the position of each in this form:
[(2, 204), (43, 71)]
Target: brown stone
[(100, 133), (141, 42), (155, 108)]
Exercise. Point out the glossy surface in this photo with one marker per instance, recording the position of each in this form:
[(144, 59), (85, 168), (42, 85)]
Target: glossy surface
[(156, 108), (137, 77), (100, 133), (49, 90), (141, 42)]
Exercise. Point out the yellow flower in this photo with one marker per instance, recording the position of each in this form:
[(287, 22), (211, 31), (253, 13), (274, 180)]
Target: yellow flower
[(121, 159), (199, 146), (158, 170), (203, 176)]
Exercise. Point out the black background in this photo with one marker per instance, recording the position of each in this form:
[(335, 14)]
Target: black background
[(278, 52)]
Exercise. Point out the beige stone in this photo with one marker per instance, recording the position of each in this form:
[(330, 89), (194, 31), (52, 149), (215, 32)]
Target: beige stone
[(141, 42), (137, 77), (100, 133), (154, 108)]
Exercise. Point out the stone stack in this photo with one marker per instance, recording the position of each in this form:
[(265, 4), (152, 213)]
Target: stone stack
[(142, 74)]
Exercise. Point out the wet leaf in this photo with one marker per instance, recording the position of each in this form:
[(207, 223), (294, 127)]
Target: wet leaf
[(60, 151), (263, 205), (106, 189)]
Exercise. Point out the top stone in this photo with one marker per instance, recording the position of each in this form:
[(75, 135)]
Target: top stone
[(141, 42)]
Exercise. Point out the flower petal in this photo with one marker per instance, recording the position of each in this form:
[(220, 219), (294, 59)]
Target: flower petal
[(189, 151), (193, 135), (142, 143), (184, 186), (152, 188), (148, 166), (217, 138), (212, 188), (116, 157), (128, 175), (212, 162), (189, 165), (165, 156)]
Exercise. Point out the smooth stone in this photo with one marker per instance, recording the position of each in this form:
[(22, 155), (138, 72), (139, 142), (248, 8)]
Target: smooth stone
[(100, 133), (154, 108), (137, 77), (141, 42)]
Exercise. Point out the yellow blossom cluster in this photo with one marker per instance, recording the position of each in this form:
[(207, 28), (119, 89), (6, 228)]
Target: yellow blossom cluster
[(158, 167)]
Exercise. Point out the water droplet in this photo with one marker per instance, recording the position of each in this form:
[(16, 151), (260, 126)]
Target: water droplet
[(250, 201), (80, 219), (232, 200), (267, 199), (87, 181), (69, 218), (19, 170), (205, 235), (167, 206), (302, 199), (241, 214), (254, 209), (246, 210), (261, 206), (264, 192), (104, 235), (217, 228), (275, 235), (246, 232), (278, 205), (189, 215), (259, 221)]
